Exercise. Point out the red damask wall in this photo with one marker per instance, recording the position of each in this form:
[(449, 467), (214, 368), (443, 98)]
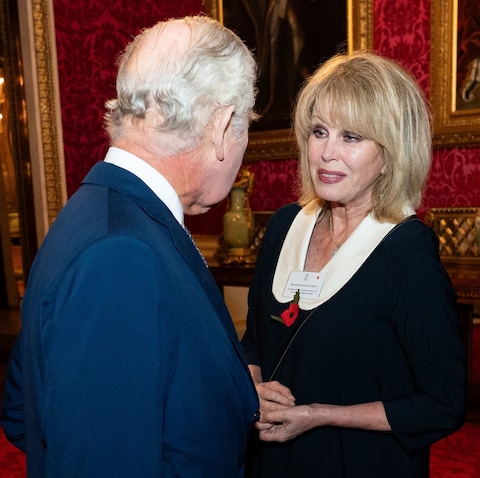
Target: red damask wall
[(90, 33)]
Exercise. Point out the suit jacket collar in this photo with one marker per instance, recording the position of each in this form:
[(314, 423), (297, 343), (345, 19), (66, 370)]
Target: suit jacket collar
[(127, 184)]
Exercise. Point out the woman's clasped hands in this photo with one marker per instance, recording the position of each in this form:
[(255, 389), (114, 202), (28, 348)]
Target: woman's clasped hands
[(280, 419)]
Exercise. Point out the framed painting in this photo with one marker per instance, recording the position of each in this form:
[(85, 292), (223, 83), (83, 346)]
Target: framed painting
[(455, 72), (290, 38)]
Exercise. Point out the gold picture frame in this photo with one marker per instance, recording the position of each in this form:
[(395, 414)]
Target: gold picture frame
[(280, 143), (454, 124)]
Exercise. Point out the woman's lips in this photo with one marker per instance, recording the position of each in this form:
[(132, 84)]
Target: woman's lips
[(330, 177)]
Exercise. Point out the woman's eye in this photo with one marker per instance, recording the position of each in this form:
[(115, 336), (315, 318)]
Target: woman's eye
[(319, 132), (351, 137)]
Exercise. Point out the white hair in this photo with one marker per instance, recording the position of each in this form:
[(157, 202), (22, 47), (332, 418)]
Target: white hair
[(181, 82)]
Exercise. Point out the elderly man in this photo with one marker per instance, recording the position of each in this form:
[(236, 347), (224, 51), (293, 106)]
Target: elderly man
[(128, 363)]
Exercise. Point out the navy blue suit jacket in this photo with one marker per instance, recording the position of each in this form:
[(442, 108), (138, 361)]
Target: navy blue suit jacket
[(127, 363)]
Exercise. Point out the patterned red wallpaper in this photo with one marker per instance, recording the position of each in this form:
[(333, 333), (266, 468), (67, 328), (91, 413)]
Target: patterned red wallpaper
[(90, 33)]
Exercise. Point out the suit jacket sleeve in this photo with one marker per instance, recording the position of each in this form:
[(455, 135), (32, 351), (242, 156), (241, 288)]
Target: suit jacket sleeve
[(108, 311)]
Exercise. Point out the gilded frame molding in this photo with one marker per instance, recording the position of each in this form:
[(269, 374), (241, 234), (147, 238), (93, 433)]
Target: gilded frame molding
[(280, 144), (451, 126), (37, 31)]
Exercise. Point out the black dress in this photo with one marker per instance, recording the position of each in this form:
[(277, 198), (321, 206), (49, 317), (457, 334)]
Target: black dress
[(391, 333)]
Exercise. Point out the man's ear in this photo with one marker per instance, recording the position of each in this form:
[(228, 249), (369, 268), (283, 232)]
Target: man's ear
[(221, 123)]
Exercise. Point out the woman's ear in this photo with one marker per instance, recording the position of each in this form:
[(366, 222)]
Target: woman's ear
[(221, 123)]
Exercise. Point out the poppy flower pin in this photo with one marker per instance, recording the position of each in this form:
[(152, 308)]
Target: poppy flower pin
[(289, 316)]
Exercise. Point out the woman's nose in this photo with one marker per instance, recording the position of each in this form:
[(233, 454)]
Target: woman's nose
[(329, 152)]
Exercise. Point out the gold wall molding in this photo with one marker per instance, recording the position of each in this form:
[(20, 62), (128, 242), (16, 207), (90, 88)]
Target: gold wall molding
[(43, 110)]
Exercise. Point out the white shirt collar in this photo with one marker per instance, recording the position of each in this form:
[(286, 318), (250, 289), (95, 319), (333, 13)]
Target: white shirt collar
[(150, 176)]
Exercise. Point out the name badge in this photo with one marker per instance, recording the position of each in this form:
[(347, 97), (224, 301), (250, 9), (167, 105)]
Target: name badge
[(308, 283)]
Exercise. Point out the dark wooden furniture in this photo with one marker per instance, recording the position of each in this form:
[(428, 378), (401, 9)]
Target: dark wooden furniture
[(465, 278), (459, 248), (240, 276)]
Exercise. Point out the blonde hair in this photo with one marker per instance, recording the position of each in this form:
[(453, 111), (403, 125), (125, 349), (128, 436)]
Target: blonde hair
[(376, 98)]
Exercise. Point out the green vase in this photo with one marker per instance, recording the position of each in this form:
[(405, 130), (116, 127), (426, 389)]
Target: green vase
[(238, 222)]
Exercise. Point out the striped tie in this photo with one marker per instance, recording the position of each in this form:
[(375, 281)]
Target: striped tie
[(193, 242)]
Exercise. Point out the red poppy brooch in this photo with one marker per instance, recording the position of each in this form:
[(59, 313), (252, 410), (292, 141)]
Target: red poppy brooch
[(289, 316)]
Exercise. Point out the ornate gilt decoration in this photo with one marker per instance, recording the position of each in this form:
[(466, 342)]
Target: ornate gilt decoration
[(53, 168), (456, 231)]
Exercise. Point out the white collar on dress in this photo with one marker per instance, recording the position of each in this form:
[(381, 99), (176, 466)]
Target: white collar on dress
[(341, 267)]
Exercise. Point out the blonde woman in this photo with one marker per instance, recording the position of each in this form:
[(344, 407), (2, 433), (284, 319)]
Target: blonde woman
[(352, 334)]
